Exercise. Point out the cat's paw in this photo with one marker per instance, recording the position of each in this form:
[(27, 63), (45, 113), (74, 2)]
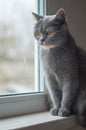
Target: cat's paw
[(54, 111), (64, 112)]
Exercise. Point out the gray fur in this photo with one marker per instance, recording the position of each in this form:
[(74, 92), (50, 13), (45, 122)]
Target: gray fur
[(64, 66)]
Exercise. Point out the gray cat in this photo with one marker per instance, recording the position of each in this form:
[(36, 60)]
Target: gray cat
[(64, 66)]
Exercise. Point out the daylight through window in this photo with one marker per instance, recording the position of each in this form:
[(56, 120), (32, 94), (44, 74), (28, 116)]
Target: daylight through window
[(17, 62)]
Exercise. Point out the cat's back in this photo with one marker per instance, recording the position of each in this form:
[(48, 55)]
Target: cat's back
[(81, 57)]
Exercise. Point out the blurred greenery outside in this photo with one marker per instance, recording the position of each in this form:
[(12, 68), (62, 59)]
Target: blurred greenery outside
[(16, 46)]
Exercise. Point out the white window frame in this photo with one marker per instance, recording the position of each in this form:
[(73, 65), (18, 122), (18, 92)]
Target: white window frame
[(22, 104)]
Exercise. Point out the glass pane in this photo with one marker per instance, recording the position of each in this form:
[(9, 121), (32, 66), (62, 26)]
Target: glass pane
[(17, 46)]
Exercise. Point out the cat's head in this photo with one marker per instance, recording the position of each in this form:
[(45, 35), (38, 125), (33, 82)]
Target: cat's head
[(51, 31)]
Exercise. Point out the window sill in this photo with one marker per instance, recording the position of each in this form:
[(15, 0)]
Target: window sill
[(39, 121)]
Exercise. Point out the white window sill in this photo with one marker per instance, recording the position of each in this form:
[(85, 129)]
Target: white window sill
[(39, 121)]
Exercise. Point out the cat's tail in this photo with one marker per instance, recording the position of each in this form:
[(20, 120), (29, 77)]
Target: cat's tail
[(81, 113)]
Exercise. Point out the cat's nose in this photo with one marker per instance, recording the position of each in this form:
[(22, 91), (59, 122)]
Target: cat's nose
[(42, 39)]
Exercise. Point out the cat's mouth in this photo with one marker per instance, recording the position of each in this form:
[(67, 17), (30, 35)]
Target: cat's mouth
[(47, 46)]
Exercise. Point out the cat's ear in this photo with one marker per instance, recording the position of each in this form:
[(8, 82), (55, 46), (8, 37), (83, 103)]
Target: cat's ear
[(37, 16), (60, 14)]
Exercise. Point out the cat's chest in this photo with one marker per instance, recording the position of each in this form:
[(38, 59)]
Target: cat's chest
[(51, 61)]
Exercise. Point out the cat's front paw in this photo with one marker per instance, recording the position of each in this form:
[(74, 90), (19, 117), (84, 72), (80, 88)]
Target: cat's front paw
[(54, 111), (64, 112)]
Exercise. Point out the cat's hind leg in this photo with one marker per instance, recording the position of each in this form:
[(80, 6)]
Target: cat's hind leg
[(81, 108)]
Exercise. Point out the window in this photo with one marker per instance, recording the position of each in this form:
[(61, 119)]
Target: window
[(19, 56), (17, 62), (20, 59)]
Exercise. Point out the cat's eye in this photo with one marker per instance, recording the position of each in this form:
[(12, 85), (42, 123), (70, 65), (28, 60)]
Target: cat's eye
[(38, 33), (50, 33)]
